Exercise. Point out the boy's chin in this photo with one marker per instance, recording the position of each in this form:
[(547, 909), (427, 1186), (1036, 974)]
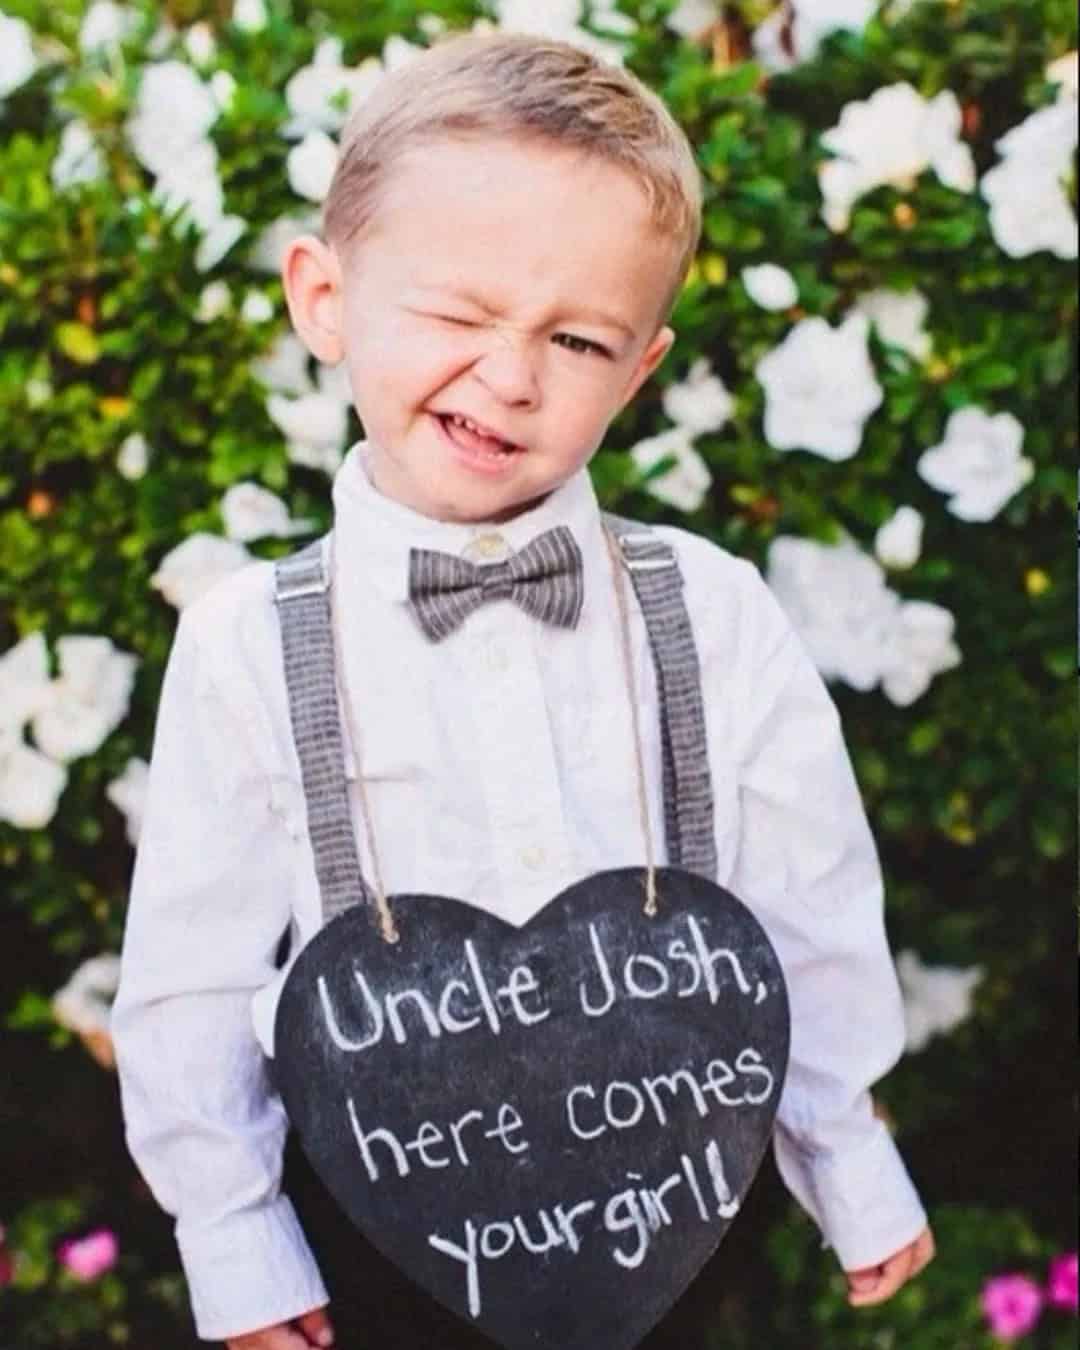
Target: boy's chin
[(493, 513)]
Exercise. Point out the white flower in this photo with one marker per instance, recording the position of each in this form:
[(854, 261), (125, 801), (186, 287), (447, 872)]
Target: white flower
[(898, 317), (250, 15), (559, 19), (87, 700), (701, 403), (686, 484), (128, 794), (922, 646), (770, 286), (1066, 73), (223, 88), (284, 367), (937, 999), (214, 300), (169, 134), (257, 307), (398, 51), (18, 60), (315, 427), (173, 112), (163, 39), (838, 602), (321, 95), (1029, 206), (200, 43), (978, 463), (316, 423), (78, 157), (431, 25), (690, 18), (892, 137), (190, 569), (325, 458), (855, 628), (31, 785), (190, 183), (106, 24), (133, 456), (268, 251), (311, 164), (220, 236), (820, 387), (24, 680), (606, 15), (898, 542), (811, 21), (84, 1002), (253, 512)]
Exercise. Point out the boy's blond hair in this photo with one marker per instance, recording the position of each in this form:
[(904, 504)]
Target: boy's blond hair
[(510, 85)]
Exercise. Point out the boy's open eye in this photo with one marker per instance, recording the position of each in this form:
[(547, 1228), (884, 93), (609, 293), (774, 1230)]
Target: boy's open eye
[(583, 346)]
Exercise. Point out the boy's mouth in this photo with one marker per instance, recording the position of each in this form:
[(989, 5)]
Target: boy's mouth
[(476, 439)]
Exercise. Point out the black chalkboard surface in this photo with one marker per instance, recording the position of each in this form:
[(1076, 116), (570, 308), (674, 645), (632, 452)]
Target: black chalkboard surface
[(549, 1128)]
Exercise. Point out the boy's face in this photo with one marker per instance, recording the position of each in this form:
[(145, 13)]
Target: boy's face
[(514, 285)]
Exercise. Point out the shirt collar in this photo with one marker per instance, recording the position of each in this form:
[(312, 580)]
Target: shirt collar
[(373, 534)]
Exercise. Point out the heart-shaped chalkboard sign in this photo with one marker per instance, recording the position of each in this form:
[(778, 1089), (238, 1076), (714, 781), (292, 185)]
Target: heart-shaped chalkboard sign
[(549, 1128)]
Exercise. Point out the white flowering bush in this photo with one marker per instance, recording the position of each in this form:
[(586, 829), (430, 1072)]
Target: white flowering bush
[(870, 397)]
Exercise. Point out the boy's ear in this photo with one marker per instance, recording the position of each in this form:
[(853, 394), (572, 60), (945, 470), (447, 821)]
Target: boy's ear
[(311, 275), (650, 358)]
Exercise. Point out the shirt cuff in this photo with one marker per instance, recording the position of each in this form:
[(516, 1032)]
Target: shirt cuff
[(863, 1201), (252, 1269)]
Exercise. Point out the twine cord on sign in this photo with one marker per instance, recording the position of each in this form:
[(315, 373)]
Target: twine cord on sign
[(615, 554), (388, 928)]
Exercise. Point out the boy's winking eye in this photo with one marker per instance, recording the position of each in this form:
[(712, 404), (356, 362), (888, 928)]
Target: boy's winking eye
[(576, 342), (582, 345)]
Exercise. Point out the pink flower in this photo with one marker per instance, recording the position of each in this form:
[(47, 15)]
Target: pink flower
[(1061, 1284), (1012, 1304), (89, 1257)]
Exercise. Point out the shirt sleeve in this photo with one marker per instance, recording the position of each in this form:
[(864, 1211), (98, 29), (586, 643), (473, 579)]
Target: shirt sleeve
[(210, 899), (808, 866)]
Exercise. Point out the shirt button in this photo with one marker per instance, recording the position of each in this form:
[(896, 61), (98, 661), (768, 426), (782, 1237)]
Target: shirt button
[(533, 857), (488, 547)]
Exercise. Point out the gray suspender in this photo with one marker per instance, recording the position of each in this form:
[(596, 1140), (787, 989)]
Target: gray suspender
[(688, 800), (301, 586), (301, 589)]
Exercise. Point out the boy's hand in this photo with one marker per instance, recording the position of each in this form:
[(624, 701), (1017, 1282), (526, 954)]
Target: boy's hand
[(876, 1284), (313, 1329)]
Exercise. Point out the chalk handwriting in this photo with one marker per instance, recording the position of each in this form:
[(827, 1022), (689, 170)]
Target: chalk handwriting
[(632, 1217)]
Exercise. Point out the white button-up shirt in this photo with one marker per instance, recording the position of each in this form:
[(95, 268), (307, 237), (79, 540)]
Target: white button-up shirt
[(498, 766)]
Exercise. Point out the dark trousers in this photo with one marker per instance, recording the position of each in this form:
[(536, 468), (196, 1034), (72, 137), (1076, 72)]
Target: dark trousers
[(374, 1307)]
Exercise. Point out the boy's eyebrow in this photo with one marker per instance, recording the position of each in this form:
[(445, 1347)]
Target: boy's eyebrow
[(584, 311)]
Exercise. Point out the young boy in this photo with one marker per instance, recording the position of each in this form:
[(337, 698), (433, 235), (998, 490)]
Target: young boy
[(508, 227)]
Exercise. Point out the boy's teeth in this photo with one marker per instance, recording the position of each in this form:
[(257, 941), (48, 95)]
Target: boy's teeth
[(493, 443)]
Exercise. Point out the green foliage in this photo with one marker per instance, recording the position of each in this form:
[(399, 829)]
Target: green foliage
[(971, 790), (939, 1312)]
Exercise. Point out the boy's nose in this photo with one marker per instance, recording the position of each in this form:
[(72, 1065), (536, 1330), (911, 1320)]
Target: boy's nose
[(507, 368)]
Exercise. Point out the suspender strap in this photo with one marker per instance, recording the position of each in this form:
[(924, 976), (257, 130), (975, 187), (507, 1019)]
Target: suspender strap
[(688, 797), (301, 593)]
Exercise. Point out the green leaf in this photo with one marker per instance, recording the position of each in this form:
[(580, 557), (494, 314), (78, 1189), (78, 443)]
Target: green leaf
[(78, 342), (993, 375), (924, 737)]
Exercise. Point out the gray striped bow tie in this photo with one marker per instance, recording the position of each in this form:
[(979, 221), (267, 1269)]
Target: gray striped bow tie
[(545, 579)]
